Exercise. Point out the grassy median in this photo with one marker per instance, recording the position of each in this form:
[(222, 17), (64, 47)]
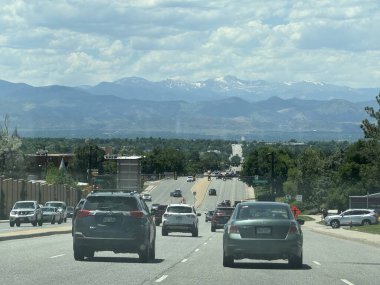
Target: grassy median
[(372, 229)]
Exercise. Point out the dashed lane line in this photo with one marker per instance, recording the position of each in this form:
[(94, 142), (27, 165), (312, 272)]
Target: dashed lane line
[(184, 260), (55, 256), (162, 278), (316, 262), (347, 282)]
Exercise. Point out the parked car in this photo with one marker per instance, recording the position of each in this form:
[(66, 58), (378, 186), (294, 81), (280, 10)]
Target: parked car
[(221, 216), (263, 230), (158, 211), (176, 193), (180, 218), (70, 211), (113, 220), (208, 216), (51, 215), (212, 192), (352, 217), (26, 212), (147, 197), (61, 207)]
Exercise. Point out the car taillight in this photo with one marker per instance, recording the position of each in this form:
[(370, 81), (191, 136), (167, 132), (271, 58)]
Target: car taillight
[(232, 229), (84, 213), (136, 214), (293, 229)]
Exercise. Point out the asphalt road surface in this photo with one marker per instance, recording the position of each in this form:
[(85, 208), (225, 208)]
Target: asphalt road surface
[(182, 259)]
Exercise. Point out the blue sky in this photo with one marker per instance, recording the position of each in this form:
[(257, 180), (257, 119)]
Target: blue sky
[(72, 43)]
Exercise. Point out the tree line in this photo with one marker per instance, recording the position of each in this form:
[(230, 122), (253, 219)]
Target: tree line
[(324, 173)]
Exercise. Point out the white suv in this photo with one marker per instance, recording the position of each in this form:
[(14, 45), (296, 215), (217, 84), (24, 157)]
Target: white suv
[(352, 217), (26, 212), (180, 218)]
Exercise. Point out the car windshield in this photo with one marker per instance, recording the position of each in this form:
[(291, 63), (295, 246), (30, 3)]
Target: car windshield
[(55, 204), (179, 209), (263, 212), (110, 203), (24, 205)]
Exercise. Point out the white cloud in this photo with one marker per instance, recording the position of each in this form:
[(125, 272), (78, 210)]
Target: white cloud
[(85, 42)]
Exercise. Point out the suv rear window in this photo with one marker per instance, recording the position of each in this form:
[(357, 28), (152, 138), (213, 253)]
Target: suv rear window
[(110, 203), (179, 209)]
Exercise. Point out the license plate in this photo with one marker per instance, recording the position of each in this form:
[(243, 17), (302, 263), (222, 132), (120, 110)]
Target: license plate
[(109, 219), (263, 231)]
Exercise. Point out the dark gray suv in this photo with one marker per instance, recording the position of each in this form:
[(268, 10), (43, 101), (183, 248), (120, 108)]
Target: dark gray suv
[(114, 220)]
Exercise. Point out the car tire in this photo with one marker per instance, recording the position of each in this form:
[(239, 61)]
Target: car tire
[(295, 261), (89, 253), (157, 223), (153, 251), (228, 260), (60, 221), (164, 231), (40, 222), (12, 224), (65, 220), (78, 253), (53, 221), (34, 223), (335, 224), (366, 223), (213, 229), (144, 255), (17, 224), (195, 232)]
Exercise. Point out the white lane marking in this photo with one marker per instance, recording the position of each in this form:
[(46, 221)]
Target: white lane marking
[(205, 243), (197, 250), (184, 260), (316, 262), (55, 256), (162, 278), (347, 282)]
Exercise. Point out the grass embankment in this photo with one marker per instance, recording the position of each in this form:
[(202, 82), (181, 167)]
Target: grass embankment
[(372, 229), (305, 218)]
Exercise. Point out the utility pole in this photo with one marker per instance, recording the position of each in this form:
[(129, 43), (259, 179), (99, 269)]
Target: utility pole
[(272, 172)]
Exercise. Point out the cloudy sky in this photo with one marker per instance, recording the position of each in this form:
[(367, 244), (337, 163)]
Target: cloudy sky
[(80, 42)]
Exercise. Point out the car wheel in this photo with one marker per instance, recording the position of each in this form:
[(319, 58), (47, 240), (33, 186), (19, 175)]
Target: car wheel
[(60, 221), (40, 222), (164, 231), (144, 255), (78, 253), (17, 224), (366, 223), (12, 224), (34, 223), (157, 223), (295, 261), (153, 251), (228, 260), (89, 253), (65, 220), (53, 221), (335, 224), (213, 228), (195, 232)]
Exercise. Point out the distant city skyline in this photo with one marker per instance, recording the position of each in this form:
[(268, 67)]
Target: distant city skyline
[(86, 42)]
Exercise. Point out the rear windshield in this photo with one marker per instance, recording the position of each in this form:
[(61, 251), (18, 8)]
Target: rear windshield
[(224, 211), (110, 203), (175, 209), (48, 209), (55, 204), (273, 212)]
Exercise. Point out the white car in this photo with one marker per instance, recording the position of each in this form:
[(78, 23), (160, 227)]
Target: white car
[(352, 217), (190, 179), (146, 197), (26, 212), (180, 218), (61, 208)]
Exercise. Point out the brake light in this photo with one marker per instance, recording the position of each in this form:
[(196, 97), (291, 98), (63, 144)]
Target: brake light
[(136, 214), (232, 229), (84, 213), (293, 229)]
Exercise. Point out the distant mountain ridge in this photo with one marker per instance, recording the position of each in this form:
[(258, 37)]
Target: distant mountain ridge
[(216, 108)]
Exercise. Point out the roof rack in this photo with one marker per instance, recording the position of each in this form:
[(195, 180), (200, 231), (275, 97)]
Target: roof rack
[(114, 191)]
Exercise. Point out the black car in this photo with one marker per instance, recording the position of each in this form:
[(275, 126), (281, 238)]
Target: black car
[(212, 192), (208, 216), (114, 220), (176, 193)]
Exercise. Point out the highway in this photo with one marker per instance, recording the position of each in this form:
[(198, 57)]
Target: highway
[(182, 259)]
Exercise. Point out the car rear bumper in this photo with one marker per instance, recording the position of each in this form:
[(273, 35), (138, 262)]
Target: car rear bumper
[(262, 249), (179, 227), (126, 245)]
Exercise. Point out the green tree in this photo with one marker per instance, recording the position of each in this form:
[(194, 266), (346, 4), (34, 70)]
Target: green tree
[(371, 128)]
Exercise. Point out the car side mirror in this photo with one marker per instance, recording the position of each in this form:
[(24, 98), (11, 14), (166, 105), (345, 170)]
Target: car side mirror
[(300, 221)]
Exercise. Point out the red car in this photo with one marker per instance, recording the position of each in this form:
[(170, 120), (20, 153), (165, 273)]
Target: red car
[(221, 217)]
